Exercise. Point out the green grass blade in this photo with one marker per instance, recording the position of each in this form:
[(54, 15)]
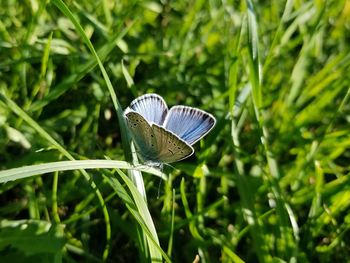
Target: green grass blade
[(138, 207), (38, 169), (288, 227), (65, 10), (124, 131), (17, 110), (82, 70)]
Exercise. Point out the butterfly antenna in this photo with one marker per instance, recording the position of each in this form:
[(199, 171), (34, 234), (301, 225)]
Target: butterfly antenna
[(160, 183), (160, 167)]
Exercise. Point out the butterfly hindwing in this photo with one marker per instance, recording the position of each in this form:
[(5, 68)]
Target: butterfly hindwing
[(170, 148), (142, 134), (190, 124)]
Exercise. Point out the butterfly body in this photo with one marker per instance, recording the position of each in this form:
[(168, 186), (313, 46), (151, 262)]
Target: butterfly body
[(162, 135)]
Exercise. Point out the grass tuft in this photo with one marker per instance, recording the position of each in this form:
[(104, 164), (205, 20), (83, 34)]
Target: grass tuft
[(269, 183)]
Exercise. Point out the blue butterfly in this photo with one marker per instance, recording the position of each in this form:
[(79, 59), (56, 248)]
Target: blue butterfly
[(162, 135)]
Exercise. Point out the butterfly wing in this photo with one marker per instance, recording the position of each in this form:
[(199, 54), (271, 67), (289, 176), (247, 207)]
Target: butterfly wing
[(165, 136), (154, 143), (170, 147), (190, 124), (151, 106), (142, 135)]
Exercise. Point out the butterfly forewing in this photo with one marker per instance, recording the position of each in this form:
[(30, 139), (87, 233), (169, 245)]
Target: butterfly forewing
[(190, 124), (142, 135), (170, 148), (151, 106)]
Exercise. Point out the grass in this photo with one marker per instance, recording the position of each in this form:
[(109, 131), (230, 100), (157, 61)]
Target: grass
[(268, 184)]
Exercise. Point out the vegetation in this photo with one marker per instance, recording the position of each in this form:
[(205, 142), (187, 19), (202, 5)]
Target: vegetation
[(270, 183)]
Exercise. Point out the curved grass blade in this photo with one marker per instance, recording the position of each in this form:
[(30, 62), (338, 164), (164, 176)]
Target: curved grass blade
[(289, 230), (136, 176), (138, 208), (38, 169), (17, 110)]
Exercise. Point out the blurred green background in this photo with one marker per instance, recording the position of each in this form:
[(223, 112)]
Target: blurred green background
[(270, 183)]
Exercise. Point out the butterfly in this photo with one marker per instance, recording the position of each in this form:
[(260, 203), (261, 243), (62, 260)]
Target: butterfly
[(162, 135)]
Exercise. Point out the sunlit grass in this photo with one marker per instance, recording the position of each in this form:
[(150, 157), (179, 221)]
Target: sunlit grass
[(270, 181)]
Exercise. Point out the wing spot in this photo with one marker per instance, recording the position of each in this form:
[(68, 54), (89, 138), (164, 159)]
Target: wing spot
[(171, 151)]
